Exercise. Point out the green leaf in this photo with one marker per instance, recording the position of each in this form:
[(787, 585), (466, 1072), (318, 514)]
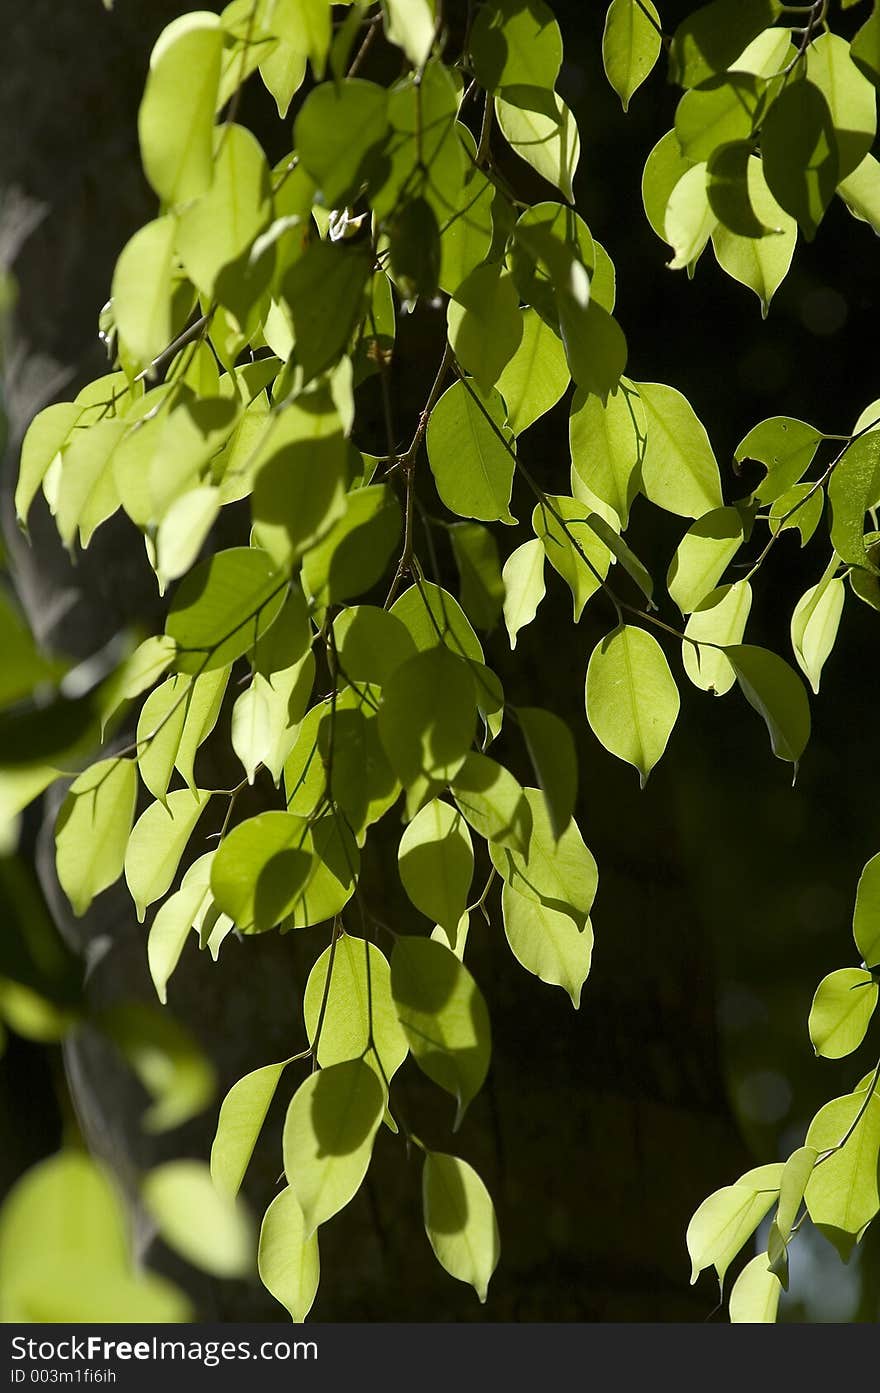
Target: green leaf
[(689, 221), (207, 1228), (426, 744), (335, 867), (92, 830), (630, 45), (242, 1114), (325, 291), (467, 233), (360, 1021), (801, 161), (310, 21), (523, 576), (183, 531), (472, 467), (866, 919), (169, 931), (431, 615), (631, 697), (414, 250), (595, 346), (176, 116), (777, 694), (852, 489), (411, 24), (492, 802), (513, 43), (842, 1191), (540, 128), (87, 493), (460, 1220), (536, 376), (799, 509), (261, 869), (219, 227), (485, 324), (841, 1011), (157, 843), (712, 38), (288, 1262), (850, 96), (729, 180), (729, 1217), (354, 554), (159, 728), (560, 874), (571, 546), (553, 257), (220, 609), (338, 133), (44, 440), (371, 643), (703, 555), (142, 290), (328, 1138), (283, 68), (860, 192), (202, 709), (608, 441), (64, 1252), (554, 759), (436, 861), (679, 470), (754, 1298), (865, 48), (664, 168), (301, 481), (761, 262), (444, 1016), (719, 111), (547, 943), (786, 447), (798, 1169), (815, 622), (479, 569), (719, 620)]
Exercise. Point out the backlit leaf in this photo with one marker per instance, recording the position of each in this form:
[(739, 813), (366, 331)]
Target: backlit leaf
[(777, 694), (631, 697), (157, 843), (460, 1220), (630, 45), (436, 862), (524, 589), (93, 828), (328, 1138), (209, 1229), (242, 1114), (841, 1011), (549, 944), (359, 1019), (288, 1262), (472, 467), (679, 471), (176, 116), (444, 1016)]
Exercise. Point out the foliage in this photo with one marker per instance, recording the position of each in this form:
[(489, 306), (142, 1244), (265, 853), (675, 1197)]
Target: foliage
[(243, 321)]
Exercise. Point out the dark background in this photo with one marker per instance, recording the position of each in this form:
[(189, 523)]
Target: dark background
[(724, 893)]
